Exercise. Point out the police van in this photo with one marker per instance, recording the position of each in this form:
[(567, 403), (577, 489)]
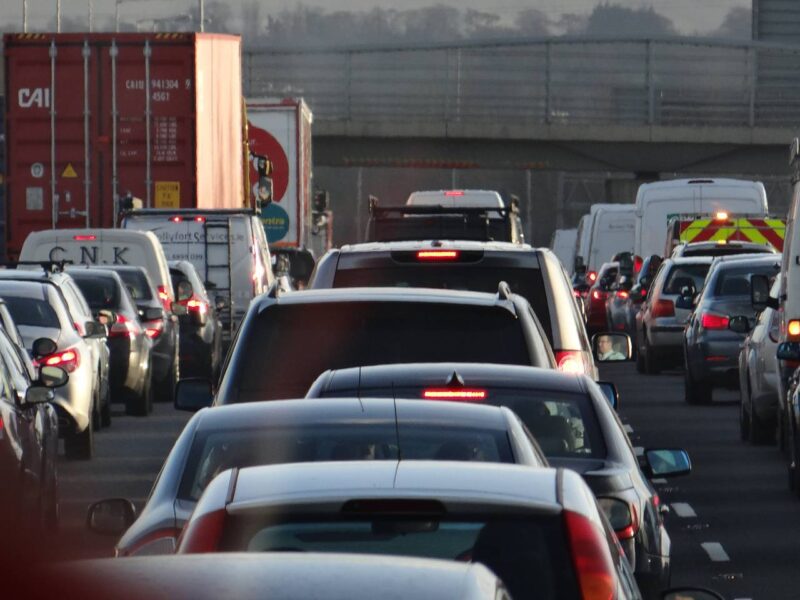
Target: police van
[(228, 247)]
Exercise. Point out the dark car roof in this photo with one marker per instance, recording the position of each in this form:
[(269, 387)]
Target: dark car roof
[(425, 244), (425, 374), (278, 413), (743, 260)]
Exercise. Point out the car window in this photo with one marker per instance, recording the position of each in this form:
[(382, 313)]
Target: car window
[(75, 301), (215, 451), (12, 354), (736, 281), (683, 275), (100, 292), (32, 312), (137, 284), (6, 387)]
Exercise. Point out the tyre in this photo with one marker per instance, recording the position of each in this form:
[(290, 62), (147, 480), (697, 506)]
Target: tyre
[(105, 413), (759, 431), (164, 390), (142, 404), (640, 366), (80, 445), (651, 365)]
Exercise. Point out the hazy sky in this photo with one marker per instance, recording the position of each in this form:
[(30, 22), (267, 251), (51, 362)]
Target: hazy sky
[(689, 16)]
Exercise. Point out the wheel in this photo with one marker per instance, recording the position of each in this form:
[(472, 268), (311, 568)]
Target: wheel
[(141, 405), (640, 366), (80, 445), (165, 389), (759, 432), (651, 365), (105, 413)]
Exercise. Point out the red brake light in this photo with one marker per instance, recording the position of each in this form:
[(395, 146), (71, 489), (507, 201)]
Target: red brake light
[(569, 361), (124, 327), (663, 308), (622, 294), (643, 292), (598, 295), (84, 238), (637, 263), (163, 295), (197, 306), (454, 193), (176, 219), (713, 321), (438, 255), (154, 329), (591, 276), (203, 534), (199, 219), (69, 360), (468, 394), (591, 558)]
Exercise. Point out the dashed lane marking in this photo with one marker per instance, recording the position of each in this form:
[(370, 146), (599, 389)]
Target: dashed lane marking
[(683, 510), (715, 551)]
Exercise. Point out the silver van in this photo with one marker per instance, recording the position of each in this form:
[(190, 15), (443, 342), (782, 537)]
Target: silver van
[(227, 247)]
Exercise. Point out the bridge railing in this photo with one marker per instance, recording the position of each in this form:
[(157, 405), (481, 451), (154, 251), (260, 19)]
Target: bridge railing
[(569, 81)]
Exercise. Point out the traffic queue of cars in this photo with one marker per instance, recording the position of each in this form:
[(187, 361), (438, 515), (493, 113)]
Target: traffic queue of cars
[(429, 399)]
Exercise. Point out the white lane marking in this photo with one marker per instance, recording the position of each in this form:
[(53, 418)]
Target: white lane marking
[(715, 551), (683, 510), (659, 481), (628, 429), (638, 450)]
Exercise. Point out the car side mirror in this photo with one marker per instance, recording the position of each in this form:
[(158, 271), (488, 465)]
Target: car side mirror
[(52, 377), (739, 324), (111, 517), (611, 346), (193, 393), (38, 394), (610, 392), (43, 347), (106, 317), (789, 351), (94, 330), (690, 594), (667, 463), (759, 293), (151, 313)]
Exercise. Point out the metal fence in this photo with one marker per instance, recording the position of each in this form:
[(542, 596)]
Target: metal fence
[(570, 81)]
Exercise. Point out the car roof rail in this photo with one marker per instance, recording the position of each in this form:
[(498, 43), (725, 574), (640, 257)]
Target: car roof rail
[(48, 266)]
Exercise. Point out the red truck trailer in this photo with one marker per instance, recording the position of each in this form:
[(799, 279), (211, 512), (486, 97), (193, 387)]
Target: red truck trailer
[(93, 117)]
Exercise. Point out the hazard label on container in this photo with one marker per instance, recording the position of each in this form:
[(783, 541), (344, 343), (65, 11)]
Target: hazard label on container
[(168, 194), (69, 172)]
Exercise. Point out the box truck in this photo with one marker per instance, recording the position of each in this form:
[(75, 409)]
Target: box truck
[(94, 117)]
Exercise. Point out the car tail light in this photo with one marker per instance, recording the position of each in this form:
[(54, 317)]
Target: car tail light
[(638, 261), (124, 327), (577, 294), (153, 329), (598, 295), (623, 294), (466, 394), (84, 238), (663, 308), (154, 536), (622, 516), (202, 534), (590, 557), (199, 219), (79, 328), (163, 296), (176, 219), (592, 276), (198, 306), (793, 330), (570, 361), (437, 255), (69, 360), (714, 321)]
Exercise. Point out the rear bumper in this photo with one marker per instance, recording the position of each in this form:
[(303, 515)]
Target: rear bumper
[(715, 361)]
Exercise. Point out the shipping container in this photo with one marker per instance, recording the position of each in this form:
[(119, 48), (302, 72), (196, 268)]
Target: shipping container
[(280, 131), (91, 118)]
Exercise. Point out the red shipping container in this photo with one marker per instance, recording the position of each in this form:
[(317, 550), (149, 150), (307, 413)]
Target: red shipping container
[(93, 117)]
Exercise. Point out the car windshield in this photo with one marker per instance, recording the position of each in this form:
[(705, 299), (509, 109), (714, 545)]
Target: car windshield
[(137, 284), (274, 359), (214, 451), (564, 424), (530, 554), (684, 275), (525, 281), (100, 292), (31, 312)]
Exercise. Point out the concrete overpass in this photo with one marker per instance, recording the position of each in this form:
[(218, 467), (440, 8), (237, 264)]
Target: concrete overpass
[(561, 122)]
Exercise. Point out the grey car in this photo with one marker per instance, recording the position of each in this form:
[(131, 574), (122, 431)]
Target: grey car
[(309, 430), (660, 322), (717, 327)]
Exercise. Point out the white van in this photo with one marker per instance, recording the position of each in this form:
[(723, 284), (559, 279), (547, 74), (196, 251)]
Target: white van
[(657, 202), (227, 247), (563, 246), (583, 235), (103, 247), (613, 227)]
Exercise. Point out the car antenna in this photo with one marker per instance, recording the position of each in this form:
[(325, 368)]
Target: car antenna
[(396, 424)]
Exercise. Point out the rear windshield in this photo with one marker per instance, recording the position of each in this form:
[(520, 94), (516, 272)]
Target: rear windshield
[(723, 250), (529, 554), (137, 284), (527, 282), (100, 292), (33, 312), (564, 424), (736, 282), (683, 275), (215, 451), (285, 348)]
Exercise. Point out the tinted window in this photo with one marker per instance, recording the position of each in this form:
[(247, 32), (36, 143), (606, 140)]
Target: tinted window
[(723, 250), (736, 282), (32, 312), (213, 452), (529, 554), (100, 292), (286, 347), (683, 275), (527, 282), (137, 284)]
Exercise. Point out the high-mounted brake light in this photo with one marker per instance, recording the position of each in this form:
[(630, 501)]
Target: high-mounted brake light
[(454, 193), (176, 219), (438, 255), (714, 321), (199, 219), (69, 360), (469, 394), (590, 556), (84, 238)]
